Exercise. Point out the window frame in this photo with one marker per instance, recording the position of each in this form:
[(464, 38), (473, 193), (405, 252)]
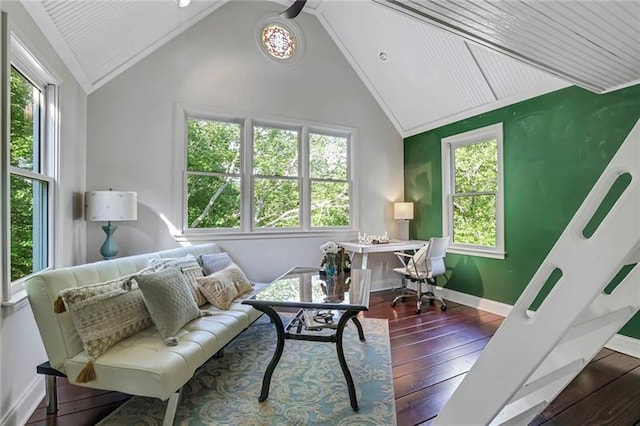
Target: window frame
[(184, 112), (28, 64), (448, 146)]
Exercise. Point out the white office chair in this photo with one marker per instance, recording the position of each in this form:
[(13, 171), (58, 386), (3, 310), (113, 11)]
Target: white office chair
[(422, 268)]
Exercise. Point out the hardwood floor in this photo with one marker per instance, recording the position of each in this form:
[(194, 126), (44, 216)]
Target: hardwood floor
[(431, 353)]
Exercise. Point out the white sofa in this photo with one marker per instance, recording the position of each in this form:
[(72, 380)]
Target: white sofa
[(141, 364)]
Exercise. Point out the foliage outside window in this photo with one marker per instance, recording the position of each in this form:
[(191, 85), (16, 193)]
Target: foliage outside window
[(278, 188), (27, 220), (472, 192)]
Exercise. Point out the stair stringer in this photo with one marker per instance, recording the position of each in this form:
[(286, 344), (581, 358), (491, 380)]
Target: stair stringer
[(524, 341)]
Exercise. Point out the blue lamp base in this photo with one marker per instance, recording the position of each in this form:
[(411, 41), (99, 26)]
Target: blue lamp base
[(109, 248)]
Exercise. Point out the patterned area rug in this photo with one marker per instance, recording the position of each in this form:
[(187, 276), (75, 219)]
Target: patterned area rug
[(307, 387)]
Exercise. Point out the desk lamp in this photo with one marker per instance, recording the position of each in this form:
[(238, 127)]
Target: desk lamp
[(110, 206), (403, 211)]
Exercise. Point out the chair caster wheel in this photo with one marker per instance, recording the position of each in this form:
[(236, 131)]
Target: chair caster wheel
[(418, 311), (443, 308), (393, 304)]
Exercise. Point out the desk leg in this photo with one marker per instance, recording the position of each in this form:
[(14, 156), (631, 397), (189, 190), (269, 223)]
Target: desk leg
[(365, 258), (277, 321), (343, 363)]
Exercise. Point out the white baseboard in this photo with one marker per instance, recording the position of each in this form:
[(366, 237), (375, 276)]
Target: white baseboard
[(624, 344), (488, 305), (619, 343), (27, 403)]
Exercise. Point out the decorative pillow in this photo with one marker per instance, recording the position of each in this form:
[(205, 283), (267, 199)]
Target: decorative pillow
[(189, 267), (103, 315), (214, 262), (217, 286), (219, 292), (168, 298)]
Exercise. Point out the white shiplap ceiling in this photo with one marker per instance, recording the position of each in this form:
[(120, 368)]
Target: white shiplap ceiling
[(447, 60)]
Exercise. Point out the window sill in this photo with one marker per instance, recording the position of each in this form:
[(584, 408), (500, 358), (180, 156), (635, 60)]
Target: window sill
[(477, 252), (16, 302), (195, 236)]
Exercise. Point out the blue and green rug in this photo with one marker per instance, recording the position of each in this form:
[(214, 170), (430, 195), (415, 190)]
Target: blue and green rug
[(307, 387)]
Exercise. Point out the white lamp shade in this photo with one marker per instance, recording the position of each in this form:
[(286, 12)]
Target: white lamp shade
[(107, 206), (403, 211)]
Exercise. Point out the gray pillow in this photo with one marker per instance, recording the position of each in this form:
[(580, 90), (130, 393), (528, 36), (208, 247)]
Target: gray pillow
[(168, 298), (189, 267), (215, 262)]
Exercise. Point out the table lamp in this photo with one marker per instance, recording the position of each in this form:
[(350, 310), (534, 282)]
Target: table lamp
[(403, 211), (110, 206)]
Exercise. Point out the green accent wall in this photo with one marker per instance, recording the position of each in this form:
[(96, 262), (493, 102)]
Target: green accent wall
[(556, 146)]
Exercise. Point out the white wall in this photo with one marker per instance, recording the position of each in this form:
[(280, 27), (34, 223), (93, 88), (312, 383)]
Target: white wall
[(217, 63), (20, 345)]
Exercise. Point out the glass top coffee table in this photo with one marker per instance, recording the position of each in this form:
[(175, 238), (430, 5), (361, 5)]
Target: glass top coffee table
[(326, 306)]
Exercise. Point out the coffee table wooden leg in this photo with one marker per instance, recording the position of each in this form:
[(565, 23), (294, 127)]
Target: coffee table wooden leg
[(343, 363), (266, 381)]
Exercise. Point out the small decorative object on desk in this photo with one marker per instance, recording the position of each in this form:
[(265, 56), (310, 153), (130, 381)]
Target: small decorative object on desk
[(335, 260), (364, 238)]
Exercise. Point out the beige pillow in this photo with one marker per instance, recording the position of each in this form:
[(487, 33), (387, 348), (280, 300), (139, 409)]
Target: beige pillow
[(220, 288), (189, 267), (103, 315), (168, 298), (219, 292)]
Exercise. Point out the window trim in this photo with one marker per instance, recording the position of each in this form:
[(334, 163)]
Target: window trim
[(27, 62), (448, 145), (182, 112)]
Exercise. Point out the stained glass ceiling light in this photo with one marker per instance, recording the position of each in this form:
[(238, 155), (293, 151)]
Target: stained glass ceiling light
[(278, 41)]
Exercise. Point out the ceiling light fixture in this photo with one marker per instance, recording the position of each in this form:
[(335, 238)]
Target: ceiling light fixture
[(184, 3)]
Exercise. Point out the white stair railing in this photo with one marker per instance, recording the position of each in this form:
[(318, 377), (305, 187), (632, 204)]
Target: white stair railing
[(534, 355)]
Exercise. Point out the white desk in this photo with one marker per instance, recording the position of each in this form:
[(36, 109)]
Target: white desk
[(354, 247)]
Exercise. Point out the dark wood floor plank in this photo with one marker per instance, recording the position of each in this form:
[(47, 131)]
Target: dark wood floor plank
[(439, 343), (428, 315), (80, 405), (442, 327), (407, 384), (87, 417), (409, 325), (595, 376), (611, 404), (426, 403), (434, 358)]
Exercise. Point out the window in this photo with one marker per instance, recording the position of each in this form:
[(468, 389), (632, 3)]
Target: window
[(473, 192), (273, 177), (29, 180), (280, 40)]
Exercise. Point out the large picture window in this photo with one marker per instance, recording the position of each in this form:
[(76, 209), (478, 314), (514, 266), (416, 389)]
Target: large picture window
[(247, 175), (473, 192), (30, 177)]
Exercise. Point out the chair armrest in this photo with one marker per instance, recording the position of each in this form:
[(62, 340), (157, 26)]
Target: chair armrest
[(399, 253)]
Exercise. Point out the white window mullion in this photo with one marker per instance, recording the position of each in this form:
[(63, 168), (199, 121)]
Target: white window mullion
[(305, 181), (247, 180)]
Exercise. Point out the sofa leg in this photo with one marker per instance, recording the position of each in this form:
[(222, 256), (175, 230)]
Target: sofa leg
[(51, 385), (172, 406), (51, 394)]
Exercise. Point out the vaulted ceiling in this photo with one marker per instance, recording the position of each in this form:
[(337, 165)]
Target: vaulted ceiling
[(427, 63)]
